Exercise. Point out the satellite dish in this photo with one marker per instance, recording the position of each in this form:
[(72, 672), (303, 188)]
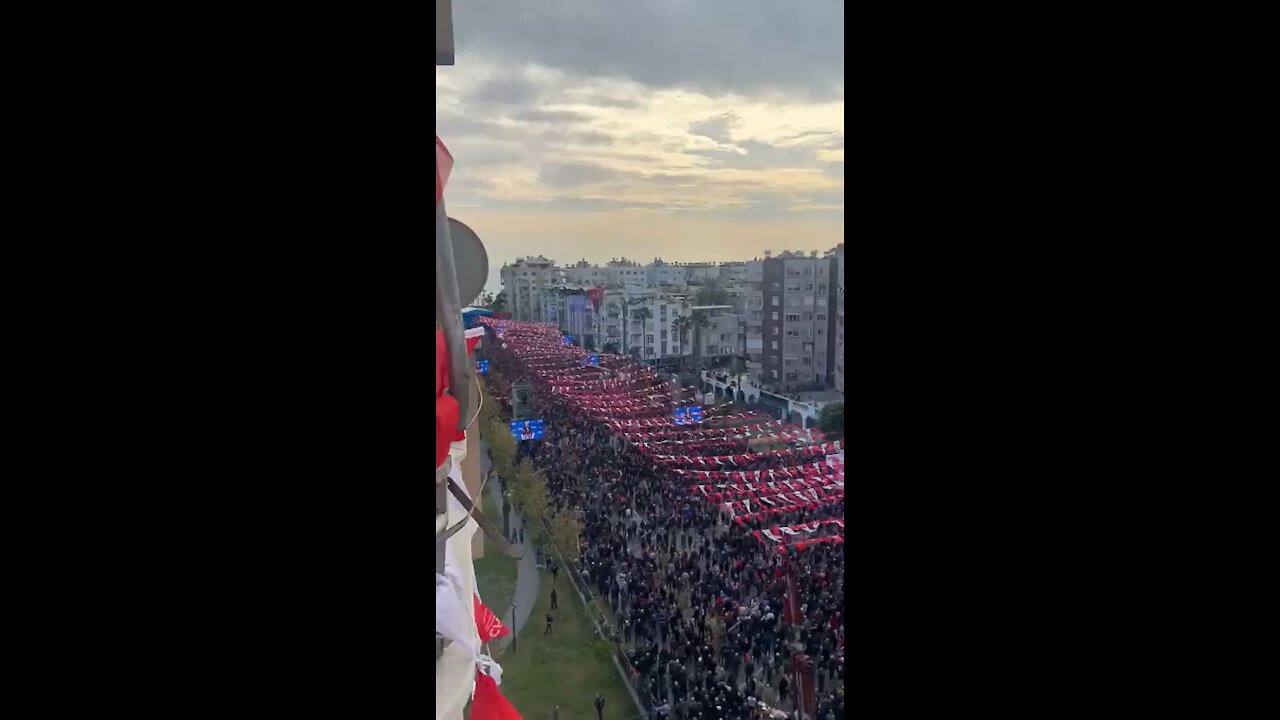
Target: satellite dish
[(470, 261)]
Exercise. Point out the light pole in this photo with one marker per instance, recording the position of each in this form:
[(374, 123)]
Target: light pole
[(513, 625)]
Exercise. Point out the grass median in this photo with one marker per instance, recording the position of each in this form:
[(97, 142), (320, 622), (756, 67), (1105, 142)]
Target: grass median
[(565, 668), (495, 573)]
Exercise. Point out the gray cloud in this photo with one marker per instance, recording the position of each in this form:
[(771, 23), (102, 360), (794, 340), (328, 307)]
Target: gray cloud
[(556, 117), (717, 128), (568, 174), (506, 90), (715, 46)]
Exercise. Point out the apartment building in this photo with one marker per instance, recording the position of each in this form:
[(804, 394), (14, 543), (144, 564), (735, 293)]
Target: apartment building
[(525, 282), (585, 274), (661, 273), (838, 376), (798, 321), (722, 335)]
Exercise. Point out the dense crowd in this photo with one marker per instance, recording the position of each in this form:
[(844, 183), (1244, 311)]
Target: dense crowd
[(698, 602)]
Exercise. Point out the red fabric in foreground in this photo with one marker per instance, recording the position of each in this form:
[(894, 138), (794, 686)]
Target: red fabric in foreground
[(488, 703), (446, 406)]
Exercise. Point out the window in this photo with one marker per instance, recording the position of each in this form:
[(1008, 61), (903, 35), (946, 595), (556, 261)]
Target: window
[(675, 334), (806, 361), (820, 332), (775, 316), (776, 301), (774, 343), (774, 329), (792, 317), (648, 339), (822, 318), (664, 346), (774, 374), (649, 351)]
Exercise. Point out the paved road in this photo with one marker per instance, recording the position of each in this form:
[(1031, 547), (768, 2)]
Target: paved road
[(526, 571)]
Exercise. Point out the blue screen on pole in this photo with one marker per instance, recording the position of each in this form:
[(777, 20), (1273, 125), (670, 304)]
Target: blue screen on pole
[(695, 413), (568, 339), (681, 415), (526, 429), (594, 358), (482, 366)]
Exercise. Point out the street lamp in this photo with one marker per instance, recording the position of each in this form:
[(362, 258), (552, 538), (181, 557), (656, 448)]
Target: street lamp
[(512, 602)]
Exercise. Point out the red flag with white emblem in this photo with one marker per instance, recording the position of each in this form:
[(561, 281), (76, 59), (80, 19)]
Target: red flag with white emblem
[(488, 626)]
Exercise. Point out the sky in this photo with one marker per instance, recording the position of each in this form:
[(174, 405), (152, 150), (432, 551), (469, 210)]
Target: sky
[(691, 130)]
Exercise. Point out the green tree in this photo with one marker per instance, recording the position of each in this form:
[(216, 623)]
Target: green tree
[(712, 294), (529, 494), (485, 300), (831, 419), (500, 302), (502, 450), (644, 314), (565, 531)]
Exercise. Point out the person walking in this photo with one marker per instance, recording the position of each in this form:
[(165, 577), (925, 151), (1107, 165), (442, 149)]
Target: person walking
[(549, 621), (599, 706), (555, 572), (554, 604)]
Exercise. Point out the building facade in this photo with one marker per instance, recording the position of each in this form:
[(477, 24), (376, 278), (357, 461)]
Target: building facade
[(838, 379), (798, 294), (525, 282)]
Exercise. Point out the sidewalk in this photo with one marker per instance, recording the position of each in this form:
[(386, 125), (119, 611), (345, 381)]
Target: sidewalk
[(526, 593)]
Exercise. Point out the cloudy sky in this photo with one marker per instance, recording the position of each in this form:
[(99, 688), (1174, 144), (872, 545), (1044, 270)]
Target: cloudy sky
[(685, 129)]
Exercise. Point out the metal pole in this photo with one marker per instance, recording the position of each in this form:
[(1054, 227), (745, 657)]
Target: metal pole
[(513, 626)]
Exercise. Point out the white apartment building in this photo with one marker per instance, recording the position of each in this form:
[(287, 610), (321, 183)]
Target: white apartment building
[(660, 273), (525, 282)]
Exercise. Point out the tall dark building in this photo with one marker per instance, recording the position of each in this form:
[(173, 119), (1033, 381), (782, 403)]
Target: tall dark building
[(799, 321)]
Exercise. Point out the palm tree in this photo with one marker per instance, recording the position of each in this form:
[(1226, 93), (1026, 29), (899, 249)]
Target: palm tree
[(644, 314), (699, 321), (682, 325), (611, 310)]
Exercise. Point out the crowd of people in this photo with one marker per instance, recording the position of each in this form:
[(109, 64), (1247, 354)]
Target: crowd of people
[(699, 604)]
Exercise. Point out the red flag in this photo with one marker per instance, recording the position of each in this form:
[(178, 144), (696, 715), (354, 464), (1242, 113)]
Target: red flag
[(488, 626), (488, 703)]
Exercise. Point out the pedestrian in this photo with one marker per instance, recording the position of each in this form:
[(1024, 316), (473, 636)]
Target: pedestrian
[(554, 604), (551, 620), (599, 706), (555, 572)]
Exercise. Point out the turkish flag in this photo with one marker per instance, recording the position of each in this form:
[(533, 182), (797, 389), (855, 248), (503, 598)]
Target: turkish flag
[(488, 703), (488, 626)]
